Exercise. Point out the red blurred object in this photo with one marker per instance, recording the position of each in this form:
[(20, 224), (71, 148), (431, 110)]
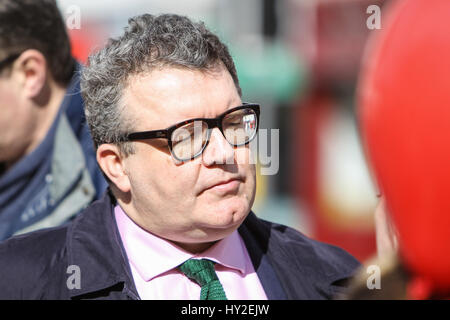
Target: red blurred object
[(404, 113), (86, 40), (419, 289)]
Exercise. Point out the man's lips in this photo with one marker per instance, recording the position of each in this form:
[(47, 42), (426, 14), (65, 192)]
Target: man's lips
[(225, 186)]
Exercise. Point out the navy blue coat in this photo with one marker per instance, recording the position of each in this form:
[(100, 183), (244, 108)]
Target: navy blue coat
[(37, 265)]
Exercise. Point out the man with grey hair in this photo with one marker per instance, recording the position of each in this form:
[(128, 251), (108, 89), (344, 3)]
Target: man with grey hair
[(172, 135)]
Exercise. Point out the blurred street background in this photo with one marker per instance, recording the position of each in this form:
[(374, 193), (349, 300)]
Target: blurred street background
[(300, 60)]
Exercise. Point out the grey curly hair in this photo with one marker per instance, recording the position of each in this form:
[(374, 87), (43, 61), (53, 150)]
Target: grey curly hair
[(148, 42)]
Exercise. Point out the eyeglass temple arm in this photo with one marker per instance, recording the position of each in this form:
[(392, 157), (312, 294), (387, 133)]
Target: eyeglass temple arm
[(146, 135)]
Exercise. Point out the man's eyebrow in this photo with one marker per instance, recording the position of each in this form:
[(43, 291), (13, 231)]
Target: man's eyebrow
[(233, 102)]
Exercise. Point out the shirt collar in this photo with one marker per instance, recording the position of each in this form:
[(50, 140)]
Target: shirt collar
[(152, 256)]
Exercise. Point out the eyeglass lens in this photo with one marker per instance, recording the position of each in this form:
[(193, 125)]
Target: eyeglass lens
[(239, 128)]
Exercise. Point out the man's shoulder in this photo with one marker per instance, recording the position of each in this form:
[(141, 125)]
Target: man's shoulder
[(318, 269), (28, 260), (295, 243), (301, 245)]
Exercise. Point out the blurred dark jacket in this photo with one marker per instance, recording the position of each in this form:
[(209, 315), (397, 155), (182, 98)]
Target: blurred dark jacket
[(58, 179), (45, 264)]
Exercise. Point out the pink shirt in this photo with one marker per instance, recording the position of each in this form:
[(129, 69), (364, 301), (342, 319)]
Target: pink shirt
[(153, 261)]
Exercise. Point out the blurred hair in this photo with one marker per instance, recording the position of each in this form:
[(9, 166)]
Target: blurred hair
[(37, 24), (148, 43)]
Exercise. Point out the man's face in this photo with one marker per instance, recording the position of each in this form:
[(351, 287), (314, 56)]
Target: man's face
[(182, 201), (16, 118)]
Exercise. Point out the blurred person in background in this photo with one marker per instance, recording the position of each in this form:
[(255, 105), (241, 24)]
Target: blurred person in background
[(172, 134), (48, 171), (404, 116)]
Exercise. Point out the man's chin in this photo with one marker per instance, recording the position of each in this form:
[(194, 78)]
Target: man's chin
[(229, 218)]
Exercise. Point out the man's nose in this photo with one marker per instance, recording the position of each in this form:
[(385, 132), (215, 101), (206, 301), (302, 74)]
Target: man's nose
[(218, 150)]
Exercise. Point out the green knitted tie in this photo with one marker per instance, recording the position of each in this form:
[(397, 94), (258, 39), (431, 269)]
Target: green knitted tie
[(202, 272)]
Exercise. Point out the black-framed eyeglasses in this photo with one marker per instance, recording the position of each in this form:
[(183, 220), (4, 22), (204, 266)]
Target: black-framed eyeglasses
[(189, 138), (8, 60)]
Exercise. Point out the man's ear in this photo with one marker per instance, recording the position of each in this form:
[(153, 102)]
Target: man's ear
[(32, 69), (112, 164)]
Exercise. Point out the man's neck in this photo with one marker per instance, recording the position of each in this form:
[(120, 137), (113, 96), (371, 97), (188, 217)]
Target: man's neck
[(47, 116), (131, 212)]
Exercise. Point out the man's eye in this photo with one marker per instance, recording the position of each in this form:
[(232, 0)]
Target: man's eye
[(185, 134), (182, 138), (234, 120)]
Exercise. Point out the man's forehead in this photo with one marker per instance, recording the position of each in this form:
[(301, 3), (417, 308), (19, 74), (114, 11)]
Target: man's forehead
[(179, 78), (172, 95)]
